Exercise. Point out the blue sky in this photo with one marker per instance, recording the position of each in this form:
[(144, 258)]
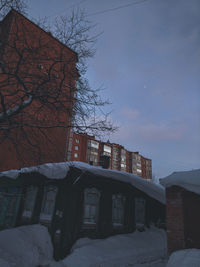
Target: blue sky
[(148, 60)]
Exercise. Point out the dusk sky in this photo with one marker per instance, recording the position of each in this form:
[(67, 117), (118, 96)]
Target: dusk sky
[(148, 61)]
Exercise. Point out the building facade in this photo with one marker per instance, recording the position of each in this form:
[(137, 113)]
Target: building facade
[(182, 210), (42, 72), (77, 200), (87, 149)]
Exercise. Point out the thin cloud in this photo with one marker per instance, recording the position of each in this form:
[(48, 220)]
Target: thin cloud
[(161, 132), (129, 113)]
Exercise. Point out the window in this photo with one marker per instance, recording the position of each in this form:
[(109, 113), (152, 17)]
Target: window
[(91, 206), (48, 202), (77, 141), (94, 144), (107, 149), (40, 66), (76, 155), (30, 198), (118, 202), (76, 147), (55, 75), (139, 211), (123, 158), (9, 204)]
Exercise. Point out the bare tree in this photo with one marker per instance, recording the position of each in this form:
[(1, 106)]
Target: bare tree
[(6, 5), (75, 32), (42, 92)]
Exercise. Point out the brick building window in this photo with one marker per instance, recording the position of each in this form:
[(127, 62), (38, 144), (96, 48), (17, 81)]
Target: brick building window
[(92, 152), (118, 203), (77, 141), (91, 205), (76, 155), (76, 147), (106, 150)]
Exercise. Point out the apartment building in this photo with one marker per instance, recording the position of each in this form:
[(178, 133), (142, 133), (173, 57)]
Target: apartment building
[(87, 149), (37, 79), (137, 164)]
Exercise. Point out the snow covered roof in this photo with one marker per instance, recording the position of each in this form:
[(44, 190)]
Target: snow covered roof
[(189, 180), (60, 170)]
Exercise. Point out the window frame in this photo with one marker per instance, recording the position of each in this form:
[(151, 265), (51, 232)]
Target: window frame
[(76, 155), (92, 220), (140, 216), (47, 216), (118, 221), (29, 213)]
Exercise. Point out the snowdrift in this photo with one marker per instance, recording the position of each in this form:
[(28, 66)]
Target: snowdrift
[(121, 250), (185, 258), (25, 246)]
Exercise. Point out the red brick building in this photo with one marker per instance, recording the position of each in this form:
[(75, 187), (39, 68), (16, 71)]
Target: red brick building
[(87, 149), (182, 209), (35, 68)]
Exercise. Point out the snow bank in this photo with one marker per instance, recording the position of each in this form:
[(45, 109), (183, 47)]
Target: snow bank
[(60, 170), (185, 258), (189, 180), (119, 251), (25, 246)]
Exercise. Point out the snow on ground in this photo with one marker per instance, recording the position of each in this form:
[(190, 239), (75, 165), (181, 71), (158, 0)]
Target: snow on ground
[(138, 249), (25, 246), (189, 180), (30, 246), (185, 258), (60, 170)]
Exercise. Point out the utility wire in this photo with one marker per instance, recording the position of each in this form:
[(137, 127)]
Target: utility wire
[(117, 8), (77, 4), (59, 13)]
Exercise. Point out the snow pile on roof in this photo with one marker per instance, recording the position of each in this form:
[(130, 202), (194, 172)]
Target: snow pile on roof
[(185, 258), (189, 180), (145, 247), (60, 170), (50, 170), (153, 190), (25, 246)]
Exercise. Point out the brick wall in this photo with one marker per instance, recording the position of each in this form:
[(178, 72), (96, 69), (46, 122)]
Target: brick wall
[(175, 218), (45, 57)]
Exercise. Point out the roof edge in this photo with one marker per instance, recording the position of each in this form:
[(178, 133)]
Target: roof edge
[(15, 12)]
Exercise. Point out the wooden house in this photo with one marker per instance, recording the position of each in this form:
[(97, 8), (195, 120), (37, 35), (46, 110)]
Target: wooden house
[(76, 200)]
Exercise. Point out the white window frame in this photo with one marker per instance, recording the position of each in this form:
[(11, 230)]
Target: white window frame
[(48, 204), (91, 206)]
